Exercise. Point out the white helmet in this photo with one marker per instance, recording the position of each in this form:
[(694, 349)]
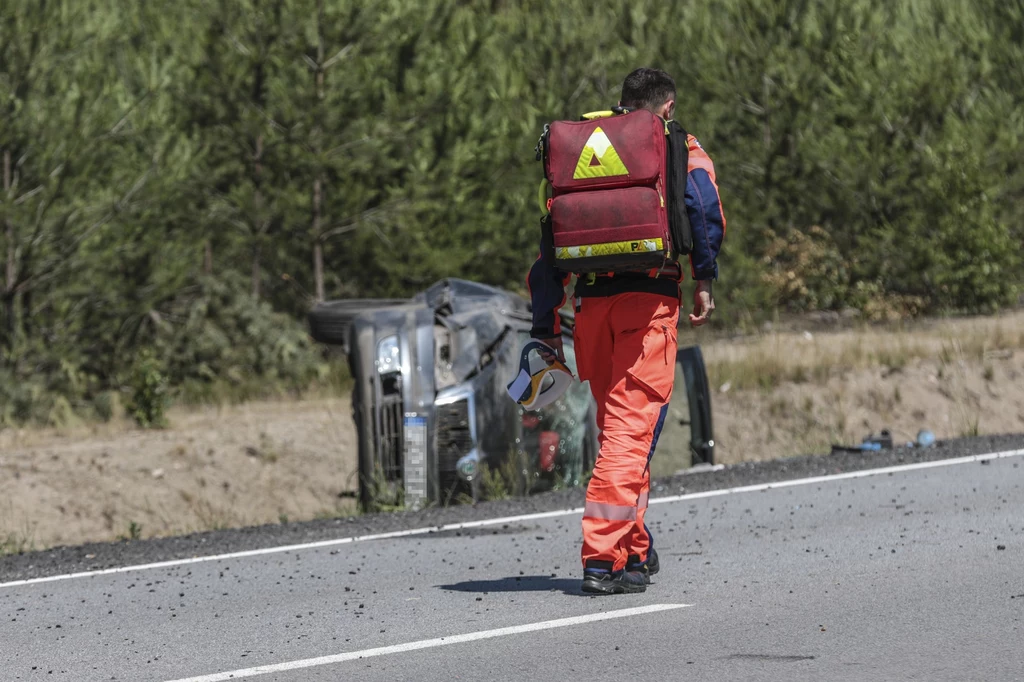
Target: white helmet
[(539, 383)]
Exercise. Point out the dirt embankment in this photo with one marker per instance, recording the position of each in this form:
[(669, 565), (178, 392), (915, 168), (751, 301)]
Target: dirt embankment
[(775, 395), (214, 468)]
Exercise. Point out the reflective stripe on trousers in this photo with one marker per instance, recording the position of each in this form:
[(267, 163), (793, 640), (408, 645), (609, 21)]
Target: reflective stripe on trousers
[(609, 512), (613, 512)]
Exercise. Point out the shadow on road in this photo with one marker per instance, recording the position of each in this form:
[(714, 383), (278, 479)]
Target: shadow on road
[(522, 583)]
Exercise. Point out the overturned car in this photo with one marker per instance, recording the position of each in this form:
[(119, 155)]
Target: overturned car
[(432, 414)]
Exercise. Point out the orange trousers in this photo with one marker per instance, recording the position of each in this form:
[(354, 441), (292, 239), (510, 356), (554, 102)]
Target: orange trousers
[(626, 347)]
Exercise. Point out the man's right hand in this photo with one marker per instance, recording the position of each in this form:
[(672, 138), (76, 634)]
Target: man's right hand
[(556, 346)]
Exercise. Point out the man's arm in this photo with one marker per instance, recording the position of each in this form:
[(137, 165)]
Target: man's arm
[(547, 293), (707, 223)]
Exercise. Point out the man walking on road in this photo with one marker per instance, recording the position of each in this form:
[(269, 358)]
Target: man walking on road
[(625, 344)]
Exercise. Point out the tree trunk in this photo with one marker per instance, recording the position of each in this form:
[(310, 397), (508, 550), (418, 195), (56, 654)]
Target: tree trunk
[(10, 275), (258, 216), (208, 257), (256, 271), (318, 270), (318, 247), (318, 183)]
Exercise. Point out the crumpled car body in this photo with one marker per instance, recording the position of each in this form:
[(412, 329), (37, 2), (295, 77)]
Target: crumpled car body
[(434, 420)]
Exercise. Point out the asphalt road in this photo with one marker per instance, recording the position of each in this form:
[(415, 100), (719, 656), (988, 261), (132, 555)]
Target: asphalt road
[(913, 575)]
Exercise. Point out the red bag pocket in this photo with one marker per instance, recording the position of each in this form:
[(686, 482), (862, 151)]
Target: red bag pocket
[(620, 151), (609, 230)]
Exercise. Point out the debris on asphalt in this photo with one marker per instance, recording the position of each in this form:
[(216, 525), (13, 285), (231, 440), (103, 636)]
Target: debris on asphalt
[(884, 441), (871, 443)]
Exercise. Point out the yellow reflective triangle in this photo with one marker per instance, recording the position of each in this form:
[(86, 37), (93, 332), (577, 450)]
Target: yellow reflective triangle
[(599, 159)]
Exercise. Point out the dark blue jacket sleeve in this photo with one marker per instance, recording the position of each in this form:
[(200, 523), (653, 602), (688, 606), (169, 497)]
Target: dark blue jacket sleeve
[(707, 222), (547, 293)]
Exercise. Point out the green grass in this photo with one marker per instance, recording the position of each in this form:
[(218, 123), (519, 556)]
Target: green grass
[(385, 496), (507, 481), (16, 543)]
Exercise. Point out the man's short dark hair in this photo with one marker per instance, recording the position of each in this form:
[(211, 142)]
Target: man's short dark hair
[(647, 88)]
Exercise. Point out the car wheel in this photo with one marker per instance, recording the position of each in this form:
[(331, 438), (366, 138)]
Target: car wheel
[(362, 412), (330, 321)]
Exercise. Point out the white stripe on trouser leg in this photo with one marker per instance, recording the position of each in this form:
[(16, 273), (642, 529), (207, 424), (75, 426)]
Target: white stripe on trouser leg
[(642, 502), (609, 512)]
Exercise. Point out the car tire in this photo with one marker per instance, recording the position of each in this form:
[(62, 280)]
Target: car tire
[(330, 321), (362, 411)]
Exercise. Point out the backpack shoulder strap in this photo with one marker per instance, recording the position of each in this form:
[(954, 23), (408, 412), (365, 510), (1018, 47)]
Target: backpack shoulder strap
[(608, 113)]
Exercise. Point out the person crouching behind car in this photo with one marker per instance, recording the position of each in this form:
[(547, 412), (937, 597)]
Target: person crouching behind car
[(625, 344)]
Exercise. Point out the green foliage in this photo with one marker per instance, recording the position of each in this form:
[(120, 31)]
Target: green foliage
[(164, 164), (149, 392), (507, 480), (16, 543), (385, 495), (107, 406), (217, 339), (132, 532)]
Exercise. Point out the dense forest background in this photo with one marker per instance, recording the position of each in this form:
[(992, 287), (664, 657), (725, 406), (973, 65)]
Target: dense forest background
[(181, 179)]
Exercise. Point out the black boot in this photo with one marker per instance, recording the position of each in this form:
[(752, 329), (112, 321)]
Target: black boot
[(645, 568), (619, 582), (652, 562)]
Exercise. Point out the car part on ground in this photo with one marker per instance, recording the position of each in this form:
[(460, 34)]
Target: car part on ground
[(702, 439)]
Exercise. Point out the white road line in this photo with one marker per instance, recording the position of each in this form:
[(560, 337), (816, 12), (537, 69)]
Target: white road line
[(864, 473), (517, 519), (431, 643)]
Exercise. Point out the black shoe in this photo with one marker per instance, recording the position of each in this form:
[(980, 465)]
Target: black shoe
[(622, 582), (652, 562), (647, 568)]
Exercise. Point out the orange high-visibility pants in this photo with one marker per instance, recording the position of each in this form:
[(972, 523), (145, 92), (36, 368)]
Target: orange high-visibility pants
[(626, 347)]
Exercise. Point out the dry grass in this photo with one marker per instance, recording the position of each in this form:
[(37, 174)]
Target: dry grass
[(16, 543), (16, 536), (787, 393), (768, 360)]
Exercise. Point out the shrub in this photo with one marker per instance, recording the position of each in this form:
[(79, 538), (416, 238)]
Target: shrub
[(149, 392)]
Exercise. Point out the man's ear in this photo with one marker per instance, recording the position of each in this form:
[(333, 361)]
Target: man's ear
[(667, 110)]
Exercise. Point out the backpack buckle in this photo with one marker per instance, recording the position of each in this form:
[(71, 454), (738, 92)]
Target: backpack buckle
[(539, 149)]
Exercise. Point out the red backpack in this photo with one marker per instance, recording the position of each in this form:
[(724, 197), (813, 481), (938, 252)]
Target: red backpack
[(616, 200)]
